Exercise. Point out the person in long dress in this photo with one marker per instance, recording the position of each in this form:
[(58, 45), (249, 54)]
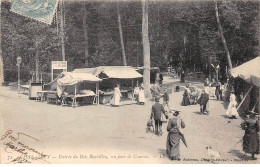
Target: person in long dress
[(251, 138), (232, 110), (182, 76), (174, 135), (186, 99), (136, 91), (141, 97), (116, 98)]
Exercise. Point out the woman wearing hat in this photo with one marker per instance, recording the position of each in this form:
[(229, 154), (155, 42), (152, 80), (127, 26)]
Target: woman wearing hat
[(186, 99), (251, 139), (174, 135)]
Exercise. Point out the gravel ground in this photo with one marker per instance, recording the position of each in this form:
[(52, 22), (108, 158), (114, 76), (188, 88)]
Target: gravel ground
[(104, 134)]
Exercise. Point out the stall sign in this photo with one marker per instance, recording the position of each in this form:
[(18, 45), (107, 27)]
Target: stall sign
[(59, 65)]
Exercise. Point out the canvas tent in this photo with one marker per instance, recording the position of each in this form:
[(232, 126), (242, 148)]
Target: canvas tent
[(249, 72), (70, 80), (119, 72), (112, 75), (84, 70)]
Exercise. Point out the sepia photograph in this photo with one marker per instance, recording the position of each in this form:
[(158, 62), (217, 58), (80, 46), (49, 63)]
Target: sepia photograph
[(129, 81)]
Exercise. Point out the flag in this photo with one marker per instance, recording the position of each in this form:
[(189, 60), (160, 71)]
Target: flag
[(41, 10)]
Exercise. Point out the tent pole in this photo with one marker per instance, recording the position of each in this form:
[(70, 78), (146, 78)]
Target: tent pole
[(75, 89), (132, 89), (244, 97)]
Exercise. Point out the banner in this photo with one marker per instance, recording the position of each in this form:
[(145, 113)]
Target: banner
[(41, 10)]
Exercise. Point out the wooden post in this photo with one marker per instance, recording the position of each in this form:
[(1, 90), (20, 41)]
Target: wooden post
[(75, 89), (132, 90), (96, 93)]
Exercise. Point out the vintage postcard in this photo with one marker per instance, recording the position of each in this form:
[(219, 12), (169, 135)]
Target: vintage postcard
[(129, 82)]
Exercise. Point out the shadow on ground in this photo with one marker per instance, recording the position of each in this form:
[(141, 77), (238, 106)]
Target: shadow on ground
[(225, 116), (198, 112), (240, 155), (163, 153)]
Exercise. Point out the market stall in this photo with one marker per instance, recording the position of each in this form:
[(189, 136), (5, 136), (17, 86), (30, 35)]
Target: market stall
[(75, 88), (126, 76)]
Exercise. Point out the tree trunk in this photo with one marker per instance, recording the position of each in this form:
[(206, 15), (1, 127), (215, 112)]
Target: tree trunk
[(2, 78), (62, 31), (222, 36), (85, 32), (121, 35), (146, 49), (37, 61)]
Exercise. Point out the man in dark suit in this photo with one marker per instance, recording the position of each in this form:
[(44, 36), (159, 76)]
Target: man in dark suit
[(203, 101), (156, 114)]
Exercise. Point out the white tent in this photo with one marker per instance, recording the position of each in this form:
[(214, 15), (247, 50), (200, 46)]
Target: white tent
[(249, 71), (119, 72)]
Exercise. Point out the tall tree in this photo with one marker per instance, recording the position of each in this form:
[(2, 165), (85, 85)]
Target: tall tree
[(121, 35), (222, 36), (1, 56), (85, 32), (37, 42), (62, 33), (146, 49)]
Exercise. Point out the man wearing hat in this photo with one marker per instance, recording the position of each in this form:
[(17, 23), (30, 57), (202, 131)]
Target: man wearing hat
[(156, 114), (203, 102)]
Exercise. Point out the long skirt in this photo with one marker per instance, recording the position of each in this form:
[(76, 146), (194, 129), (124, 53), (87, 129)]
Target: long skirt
[(141, 97), (173, 145), (251, 143), (232, 111), (185, 101), (115, 100)]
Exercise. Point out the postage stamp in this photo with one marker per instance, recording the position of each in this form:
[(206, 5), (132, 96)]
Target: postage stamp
[(41, 10)]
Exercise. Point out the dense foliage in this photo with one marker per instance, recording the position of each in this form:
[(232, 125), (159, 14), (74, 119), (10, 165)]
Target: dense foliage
[(182, 34)]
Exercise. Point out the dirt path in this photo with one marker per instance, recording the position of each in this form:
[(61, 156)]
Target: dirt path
[(104, 134)]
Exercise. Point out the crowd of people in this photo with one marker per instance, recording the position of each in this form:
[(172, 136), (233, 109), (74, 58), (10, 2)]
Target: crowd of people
[(192, 95)]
